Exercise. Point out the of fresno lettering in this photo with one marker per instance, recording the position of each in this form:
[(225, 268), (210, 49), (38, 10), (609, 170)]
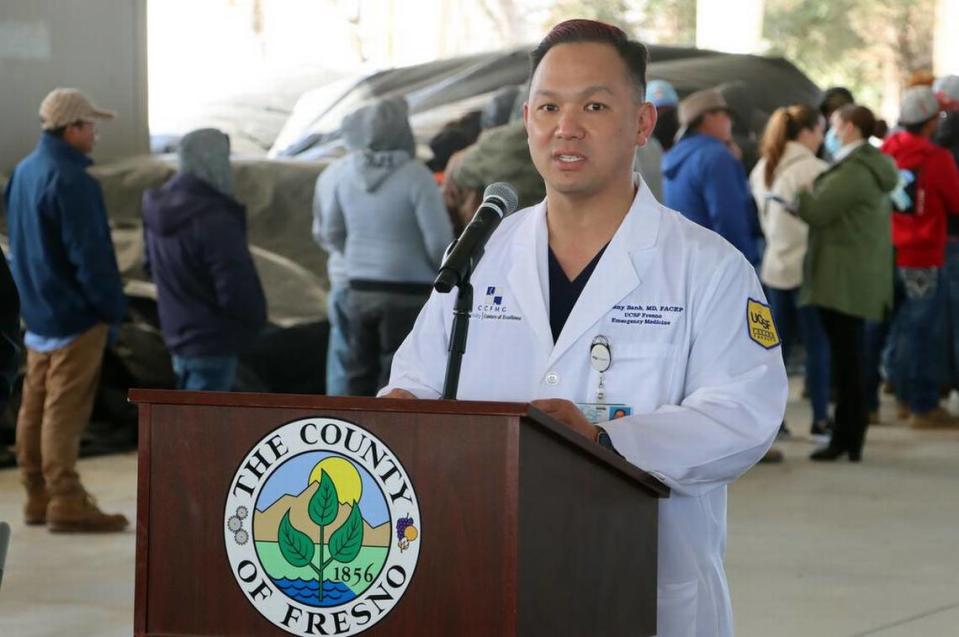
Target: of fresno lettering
[(322, 528)]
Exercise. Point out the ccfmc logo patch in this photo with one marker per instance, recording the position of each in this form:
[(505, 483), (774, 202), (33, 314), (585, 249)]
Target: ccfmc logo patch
[(322, 528)]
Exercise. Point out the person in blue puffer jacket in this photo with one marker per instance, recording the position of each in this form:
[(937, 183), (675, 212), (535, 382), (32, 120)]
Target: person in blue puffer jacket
[(704, 179)]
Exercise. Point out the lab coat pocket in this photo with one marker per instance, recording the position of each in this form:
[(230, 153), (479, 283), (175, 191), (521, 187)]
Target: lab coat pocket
[(676, 609), (641, 375)]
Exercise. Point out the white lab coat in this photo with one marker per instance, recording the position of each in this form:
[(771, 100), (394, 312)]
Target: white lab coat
[(706, 399)]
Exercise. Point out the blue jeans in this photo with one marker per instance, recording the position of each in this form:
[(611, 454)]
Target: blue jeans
[(205, 373), (804, 324), (950, 281), (918, 350), (338, 348)]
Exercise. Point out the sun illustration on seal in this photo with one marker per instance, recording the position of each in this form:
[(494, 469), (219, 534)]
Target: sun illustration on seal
[(345, 477)]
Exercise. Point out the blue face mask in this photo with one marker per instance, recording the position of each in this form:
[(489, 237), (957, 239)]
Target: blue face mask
[(832, 142)]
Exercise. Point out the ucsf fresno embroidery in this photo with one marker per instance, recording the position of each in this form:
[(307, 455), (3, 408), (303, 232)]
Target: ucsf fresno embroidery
[(650, 314)]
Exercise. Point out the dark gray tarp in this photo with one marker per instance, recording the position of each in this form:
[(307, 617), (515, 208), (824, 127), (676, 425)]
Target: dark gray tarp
[(467, 83)]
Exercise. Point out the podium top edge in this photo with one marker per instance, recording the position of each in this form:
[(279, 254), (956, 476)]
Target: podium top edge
[(312, 401), (363, 403)]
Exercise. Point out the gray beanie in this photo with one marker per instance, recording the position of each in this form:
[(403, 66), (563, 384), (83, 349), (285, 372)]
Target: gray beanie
[(205, 154)]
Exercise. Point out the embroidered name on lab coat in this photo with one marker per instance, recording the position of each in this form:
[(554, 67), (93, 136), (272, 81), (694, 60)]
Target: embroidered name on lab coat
[(650, 314)]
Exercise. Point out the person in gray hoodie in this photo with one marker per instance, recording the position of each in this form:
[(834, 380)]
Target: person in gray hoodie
[(382, 210)]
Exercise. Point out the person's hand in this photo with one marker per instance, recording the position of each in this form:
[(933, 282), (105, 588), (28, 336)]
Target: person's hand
[(568, 414), (399, 393)]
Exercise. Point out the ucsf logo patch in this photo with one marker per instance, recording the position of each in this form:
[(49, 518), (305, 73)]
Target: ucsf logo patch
[(759, 321)]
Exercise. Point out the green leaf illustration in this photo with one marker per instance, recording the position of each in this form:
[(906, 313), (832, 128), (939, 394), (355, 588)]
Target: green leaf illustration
[(297, 547), (346, 541), (324, 504)]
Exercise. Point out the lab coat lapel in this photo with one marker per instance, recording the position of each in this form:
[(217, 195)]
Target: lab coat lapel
[(525, 274), (618, 271)]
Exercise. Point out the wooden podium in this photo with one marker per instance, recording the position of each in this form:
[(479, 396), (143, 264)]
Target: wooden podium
[(527, 528)]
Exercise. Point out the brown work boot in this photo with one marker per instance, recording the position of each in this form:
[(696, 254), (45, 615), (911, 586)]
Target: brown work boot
[(937, 418), (773, 456), (79, 513), (902, 410), (35, 510)]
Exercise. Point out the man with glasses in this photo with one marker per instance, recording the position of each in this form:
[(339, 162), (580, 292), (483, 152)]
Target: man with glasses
[(63, 262)]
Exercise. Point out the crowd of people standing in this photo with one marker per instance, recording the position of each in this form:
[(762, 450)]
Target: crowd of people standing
[(853, 231)]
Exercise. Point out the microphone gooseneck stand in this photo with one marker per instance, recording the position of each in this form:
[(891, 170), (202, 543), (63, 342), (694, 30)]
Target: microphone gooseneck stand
[(461, 325)]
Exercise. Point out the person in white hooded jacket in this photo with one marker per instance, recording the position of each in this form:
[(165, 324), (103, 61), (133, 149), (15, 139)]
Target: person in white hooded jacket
[(788, 165), (692, 350)]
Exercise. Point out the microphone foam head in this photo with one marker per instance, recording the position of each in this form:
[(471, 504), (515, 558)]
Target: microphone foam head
[(504, 192)]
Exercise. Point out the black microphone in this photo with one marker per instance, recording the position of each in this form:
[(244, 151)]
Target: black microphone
[(499, 200)]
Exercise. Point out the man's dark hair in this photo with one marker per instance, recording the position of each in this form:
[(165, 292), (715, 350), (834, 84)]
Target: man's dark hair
[(696, 123), (633, 53), (667, 123), (834, 98), (916, 129)]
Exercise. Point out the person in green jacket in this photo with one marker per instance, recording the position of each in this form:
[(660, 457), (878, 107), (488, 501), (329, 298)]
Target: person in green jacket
[(847, 272)]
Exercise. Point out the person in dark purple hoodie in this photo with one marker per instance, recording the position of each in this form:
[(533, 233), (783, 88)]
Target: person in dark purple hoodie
[(210, 298)]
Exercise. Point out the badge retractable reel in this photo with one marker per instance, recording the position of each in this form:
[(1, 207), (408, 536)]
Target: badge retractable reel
[(600, 359)]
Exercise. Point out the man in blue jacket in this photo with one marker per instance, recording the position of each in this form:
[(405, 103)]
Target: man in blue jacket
[(703, 178), (63, 262)]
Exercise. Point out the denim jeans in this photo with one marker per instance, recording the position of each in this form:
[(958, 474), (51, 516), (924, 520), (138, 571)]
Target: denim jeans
[(950, 282), (918, 348), (338, 348), (205, 373), (379, 322), (805, 325)]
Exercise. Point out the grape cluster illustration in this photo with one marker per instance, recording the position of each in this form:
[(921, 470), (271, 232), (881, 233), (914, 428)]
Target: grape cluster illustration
[(405, 532), (235, 525)]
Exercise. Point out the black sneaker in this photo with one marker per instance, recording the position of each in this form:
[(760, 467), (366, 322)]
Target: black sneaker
[(821, 431)]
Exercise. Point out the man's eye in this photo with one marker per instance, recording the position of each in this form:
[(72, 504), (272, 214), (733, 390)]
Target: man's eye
[(596, 106), (548, 107)]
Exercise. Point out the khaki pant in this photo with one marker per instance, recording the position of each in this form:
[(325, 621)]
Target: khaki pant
[(58, 393)]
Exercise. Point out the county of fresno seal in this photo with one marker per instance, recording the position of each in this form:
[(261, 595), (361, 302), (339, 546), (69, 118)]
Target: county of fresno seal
[(322, 527)]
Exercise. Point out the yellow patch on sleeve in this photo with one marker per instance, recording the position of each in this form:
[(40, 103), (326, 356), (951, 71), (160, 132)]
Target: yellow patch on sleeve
[(759, 320)]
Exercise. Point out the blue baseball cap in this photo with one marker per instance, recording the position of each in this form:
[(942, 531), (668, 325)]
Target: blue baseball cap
[(661, 93)]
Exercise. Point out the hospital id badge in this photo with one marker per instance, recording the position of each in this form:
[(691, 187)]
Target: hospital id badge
[(604, 412)]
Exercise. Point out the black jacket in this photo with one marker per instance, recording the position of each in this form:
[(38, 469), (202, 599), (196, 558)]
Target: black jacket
[(210, 299), (9, 331)]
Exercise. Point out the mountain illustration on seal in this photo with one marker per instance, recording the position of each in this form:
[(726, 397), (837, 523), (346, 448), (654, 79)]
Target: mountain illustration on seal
[(266, 523), (316, 542)]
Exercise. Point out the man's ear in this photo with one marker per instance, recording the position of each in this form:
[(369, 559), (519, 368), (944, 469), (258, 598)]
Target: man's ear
[(647, 122)]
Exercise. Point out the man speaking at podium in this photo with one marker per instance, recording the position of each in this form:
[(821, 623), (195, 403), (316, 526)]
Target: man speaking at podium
[(619, 318)]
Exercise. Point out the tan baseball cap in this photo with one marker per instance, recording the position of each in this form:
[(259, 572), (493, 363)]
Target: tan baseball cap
[(699, 103), (65, 106)]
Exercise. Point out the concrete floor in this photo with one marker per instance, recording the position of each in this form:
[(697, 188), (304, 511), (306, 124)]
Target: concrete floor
[(827, 550)]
